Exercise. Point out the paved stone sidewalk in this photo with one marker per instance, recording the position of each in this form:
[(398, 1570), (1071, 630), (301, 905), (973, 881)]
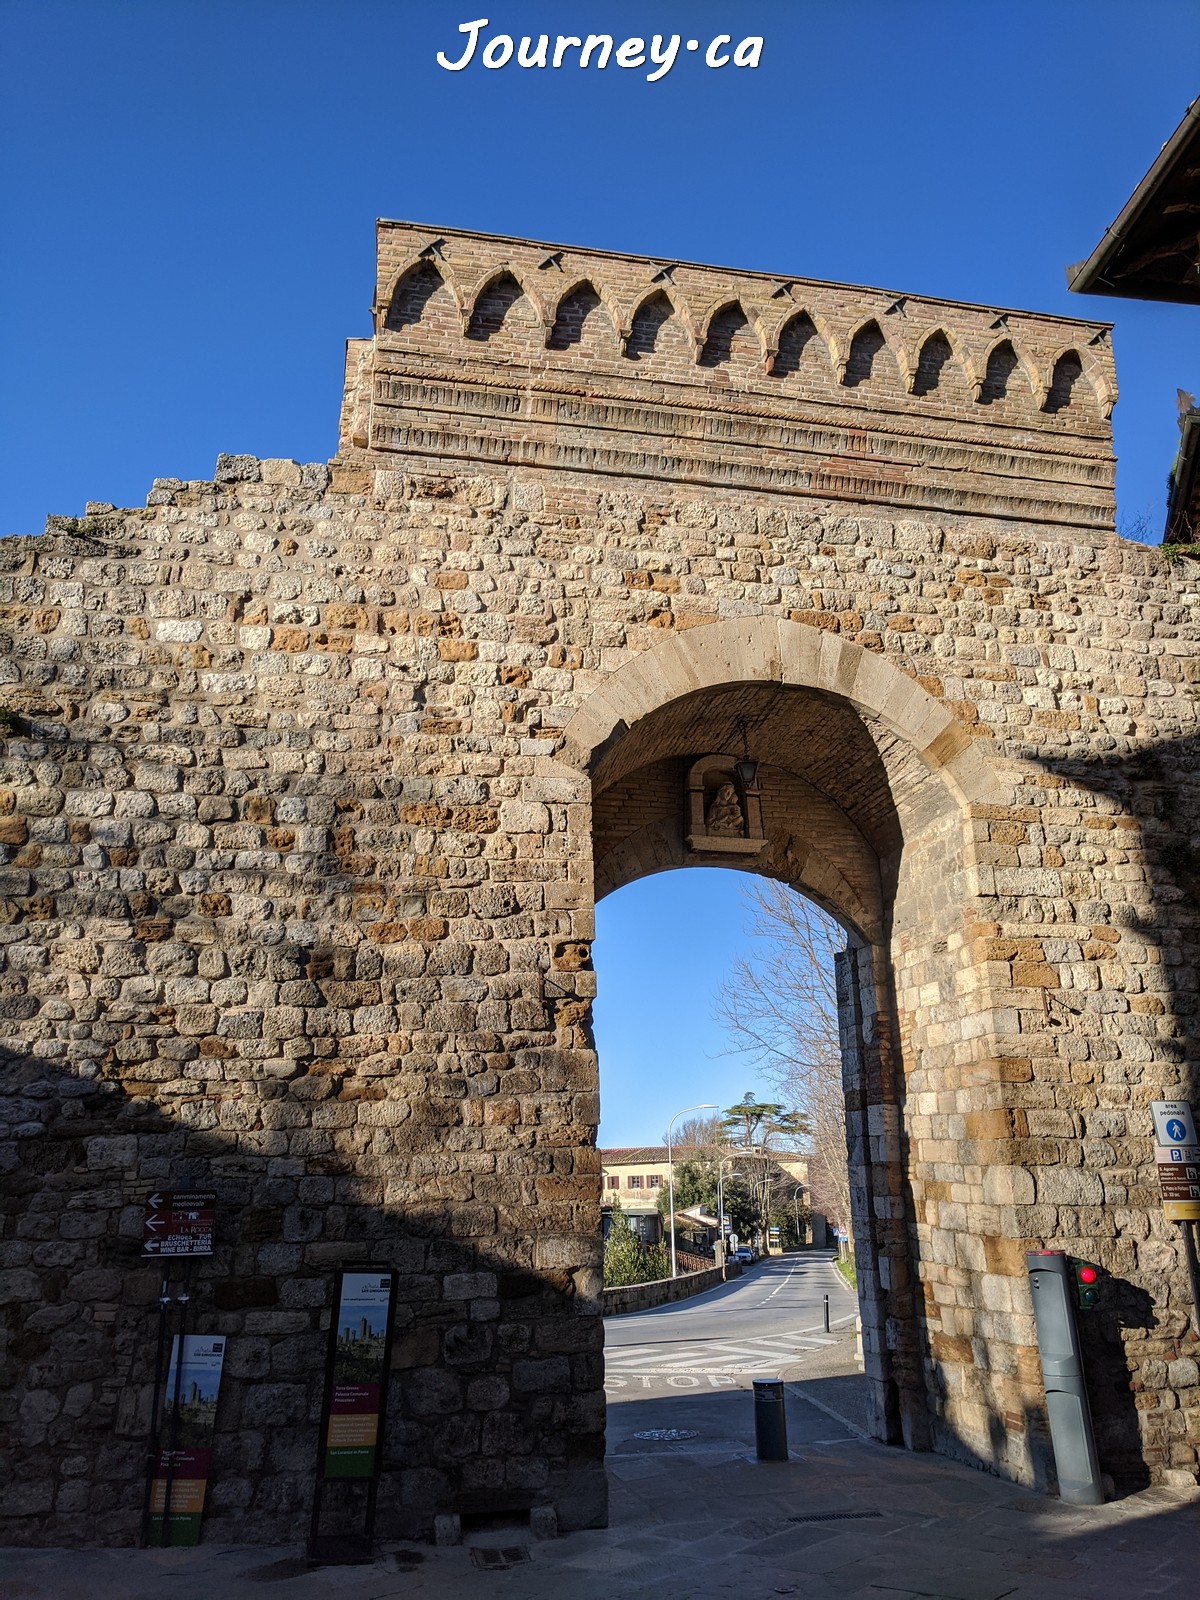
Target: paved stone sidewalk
[(701, 1519)]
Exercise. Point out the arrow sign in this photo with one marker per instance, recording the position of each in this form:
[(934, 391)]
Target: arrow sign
[(1170, 1155), (180, 1224)]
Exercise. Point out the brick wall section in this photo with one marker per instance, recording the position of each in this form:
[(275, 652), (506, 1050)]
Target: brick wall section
[(298, 817)]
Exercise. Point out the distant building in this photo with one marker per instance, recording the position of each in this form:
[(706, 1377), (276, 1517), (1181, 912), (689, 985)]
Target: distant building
[(634, 1178)]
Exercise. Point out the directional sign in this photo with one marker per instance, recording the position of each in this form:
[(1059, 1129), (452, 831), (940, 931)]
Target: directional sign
[(1177, 1155), (1173, 1122), (179, 1223), (1178, 1168), (1176, 1182)]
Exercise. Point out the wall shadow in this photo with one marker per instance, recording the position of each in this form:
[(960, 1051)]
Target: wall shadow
[(1158, 1047), (496, 1402)]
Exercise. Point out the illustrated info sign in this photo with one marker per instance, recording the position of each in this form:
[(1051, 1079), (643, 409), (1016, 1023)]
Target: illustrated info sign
[(360, 1341), (187, 1465)]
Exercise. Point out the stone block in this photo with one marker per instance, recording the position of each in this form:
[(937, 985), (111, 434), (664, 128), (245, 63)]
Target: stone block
[(1069, 1186), (447, 1529), (236, 469), (543, 1522)]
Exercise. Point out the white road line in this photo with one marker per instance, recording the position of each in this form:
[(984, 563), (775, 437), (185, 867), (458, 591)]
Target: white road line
[(788, 1333), (766, 1341), (766, 1345), (720, 1356), (779, 1286)]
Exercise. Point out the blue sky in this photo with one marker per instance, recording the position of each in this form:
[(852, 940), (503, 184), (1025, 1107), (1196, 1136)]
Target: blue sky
[(664, 946), (189, 189)]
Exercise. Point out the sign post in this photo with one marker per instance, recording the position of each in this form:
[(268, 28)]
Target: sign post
[(1177, 1160), (358, 1363), (176, 1224)]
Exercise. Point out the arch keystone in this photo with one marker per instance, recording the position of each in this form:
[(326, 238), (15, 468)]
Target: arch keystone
[(799, 647), (836, 664)]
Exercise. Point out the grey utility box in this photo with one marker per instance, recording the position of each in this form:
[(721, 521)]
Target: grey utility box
[(1051, 1284)]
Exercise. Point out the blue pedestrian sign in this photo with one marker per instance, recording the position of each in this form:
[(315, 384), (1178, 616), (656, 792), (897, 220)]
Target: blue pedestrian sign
[(1174, 1123)]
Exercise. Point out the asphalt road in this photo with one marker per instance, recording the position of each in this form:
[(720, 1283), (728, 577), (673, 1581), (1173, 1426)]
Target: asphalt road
[(763, 1324)]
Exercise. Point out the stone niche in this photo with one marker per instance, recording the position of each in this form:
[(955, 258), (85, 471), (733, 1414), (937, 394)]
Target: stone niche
[(724, 810)]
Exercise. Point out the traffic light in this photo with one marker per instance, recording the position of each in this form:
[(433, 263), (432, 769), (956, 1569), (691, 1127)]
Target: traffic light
[(1087, 1283)]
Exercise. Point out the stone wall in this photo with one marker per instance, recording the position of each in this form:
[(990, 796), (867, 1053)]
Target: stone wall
[(665, 1291), (312, 775)]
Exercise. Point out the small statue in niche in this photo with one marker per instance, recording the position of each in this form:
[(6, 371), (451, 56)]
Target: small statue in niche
[(724, 815)]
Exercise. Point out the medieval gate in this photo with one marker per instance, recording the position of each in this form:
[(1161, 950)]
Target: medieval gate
[(314, 774)]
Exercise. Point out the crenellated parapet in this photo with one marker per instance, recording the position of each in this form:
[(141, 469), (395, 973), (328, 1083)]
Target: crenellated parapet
[(507, 351)]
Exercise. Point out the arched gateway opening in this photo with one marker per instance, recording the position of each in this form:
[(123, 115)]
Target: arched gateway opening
[(778, 750)]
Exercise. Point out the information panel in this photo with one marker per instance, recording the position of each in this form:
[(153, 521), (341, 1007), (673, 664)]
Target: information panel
[(184, 1470), (360, 1339)]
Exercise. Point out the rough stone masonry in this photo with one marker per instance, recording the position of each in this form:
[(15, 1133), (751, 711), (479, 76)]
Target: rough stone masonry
[(313, 774)]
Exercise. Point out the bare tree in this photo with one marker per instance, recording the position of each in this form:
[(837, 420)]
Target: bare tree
[(698, 1133), (780, 1005)]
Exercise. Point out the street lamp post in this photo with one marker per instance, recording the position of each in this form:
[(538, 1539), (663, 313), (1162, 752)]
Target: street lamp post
[(722, 1163), (671, 1177)]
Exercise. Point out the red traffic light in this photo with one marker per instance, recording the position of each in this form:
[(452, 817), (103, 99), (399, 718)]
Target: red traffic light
[(1087, 1284)]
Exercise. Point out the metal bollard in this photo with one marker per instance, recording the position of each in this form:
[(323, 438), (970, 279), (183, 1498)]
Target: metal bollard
[(770, 1420), (826, 1313)]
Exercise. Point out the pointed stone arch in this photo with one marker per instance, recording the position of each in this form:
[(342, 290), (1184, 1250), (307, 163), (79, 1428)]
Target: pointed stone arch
[(1003, 369), (1069, 384), (567, 327), (940, 363), (653, 315), (721, 325), (865, 344), (793, 322)]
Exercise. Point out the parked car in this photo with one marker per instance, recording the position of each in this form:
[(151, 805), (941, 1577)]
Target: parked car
[(744, 1254)]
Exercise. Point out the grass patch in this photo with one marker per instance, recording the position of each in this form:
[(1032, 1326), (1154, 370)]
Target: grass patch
[(848, 1271)]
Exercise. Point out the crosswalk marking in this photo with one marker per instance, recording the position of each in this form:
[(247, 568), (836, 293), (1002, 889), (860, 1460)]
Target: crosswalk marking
[(639, 1355), (712, 1355)]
